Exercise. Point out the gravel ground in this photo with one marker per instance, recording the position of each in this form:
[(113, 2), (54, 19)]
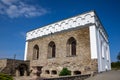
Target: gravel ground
[(110, 75)]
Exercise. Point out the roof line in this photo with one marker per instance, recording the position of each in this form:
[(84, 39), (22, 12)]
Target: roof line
[(101, 24), (62, 20)]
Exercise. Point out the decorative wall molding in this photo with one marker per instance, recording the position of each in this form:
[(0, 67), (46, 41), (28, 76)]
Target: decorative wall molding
[(74, 22)]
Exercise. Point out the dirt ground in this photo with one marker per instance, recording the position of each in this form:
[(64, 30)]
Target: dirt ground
[(110, 75)]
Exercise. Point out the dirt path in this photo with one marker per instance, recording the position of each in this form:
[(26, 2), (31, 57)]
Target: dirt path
[(110, 75)]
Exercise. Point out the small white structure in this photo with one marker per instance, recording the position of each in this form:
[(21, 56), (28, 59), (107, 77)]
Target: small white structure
[(99, 44)]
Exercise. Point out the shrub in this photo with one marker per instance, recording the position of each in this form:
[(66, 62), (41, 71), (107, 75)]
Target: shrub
[(5, 77), (65, 72), (115, 65), (118, 56)]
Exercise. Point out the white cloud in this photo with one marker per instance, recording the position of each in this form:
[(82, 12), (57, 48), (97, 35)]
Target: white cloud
[(17, 8), (9, 2), (23, 34)]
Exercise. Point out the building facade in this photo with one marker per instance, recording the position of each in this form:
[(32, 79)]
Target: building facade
[(79, 43)]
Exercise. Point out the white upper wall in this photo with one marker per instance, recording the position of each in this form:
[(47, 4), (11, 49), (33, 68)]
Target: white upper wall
[(74, 22), (77, 21)]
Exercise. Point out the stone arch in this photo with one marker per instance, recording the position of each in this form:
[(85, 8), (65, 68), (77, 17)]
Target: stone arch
[(22, 70), (77, 72), (78, 21), (35, 52), (54, 72), (63, 25), (47, 72), (87, 18), (71, 46), (56, 27), (70, 23), (51, 50)]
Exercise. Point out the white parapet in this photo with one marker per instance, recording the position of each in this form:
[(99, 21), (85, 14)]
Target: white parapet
[(77, 21)]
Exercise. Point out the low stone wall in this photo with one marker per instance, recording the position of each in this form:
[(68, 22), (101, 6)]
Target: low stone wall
[(78, 77)]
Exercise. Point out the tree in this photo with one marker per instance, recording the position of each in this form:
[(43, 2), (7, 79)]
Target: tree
[(118, 56), (65, 72)]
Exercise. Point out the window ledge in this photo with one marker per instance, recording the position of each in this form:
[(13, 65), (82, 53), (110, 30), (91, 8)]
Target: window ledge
[(50, 57), (71, 56), (35, 59)]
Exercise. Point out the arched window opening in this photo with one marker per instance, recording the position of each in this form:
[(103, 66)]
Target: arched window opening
[(77, 72), (47, 72), (51, 50), (22, 70), (35, 52), (54, 72), (71, 47)]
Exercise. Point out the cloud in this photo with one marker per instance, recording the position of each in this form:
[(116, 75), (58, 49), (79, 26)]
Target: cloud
[(23, 34), (20, 8), (9, 2)]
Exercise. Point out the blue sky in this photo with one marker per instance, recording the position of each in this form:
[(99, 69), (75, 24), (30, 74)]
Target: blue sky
[(19, 16)]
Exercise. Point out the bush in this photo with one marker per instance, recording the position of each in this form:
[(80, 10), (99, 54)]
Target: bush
[(65, 72), (115, 65), (5, 77)]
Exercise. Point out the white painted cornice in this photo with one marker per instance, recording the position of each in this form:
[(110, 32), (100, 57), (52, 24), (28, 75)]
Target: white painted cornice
[(74, 22)]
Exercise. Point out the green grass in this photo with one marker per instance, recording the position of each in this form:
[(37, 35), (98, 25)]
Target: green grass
[(5, 77)]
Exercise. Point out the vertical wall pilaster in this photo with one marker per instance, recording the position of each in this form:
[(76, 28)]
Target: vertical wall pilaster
[(109, 63), (93, 42), (26, 47)]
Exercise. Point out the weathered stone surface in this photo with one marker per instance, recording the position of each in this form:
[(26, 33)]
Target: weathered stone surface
[(81, 62), (10, 66)]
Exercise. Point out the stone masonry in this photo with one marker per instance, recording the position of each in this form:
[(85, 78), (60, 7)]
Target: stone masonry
[(13, 67), (81, 62)]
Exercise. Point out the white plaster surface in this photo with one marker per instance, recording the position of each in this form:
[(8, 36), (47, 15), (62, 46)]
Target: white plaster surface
[(73, 22), (26, 47), (93, 42)]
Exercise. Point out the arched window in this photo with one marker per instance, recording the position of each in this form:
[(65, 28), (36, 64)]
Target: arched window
[(47, 71), (35, 52), (51, 50), (22, 70), (71, 47), (54, 72)]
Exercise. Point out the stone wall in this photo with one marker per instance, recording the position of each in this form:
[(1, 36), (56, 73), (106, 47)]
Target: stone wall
[(3, 63), (9, 66), (81, 62), (78, 77)]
